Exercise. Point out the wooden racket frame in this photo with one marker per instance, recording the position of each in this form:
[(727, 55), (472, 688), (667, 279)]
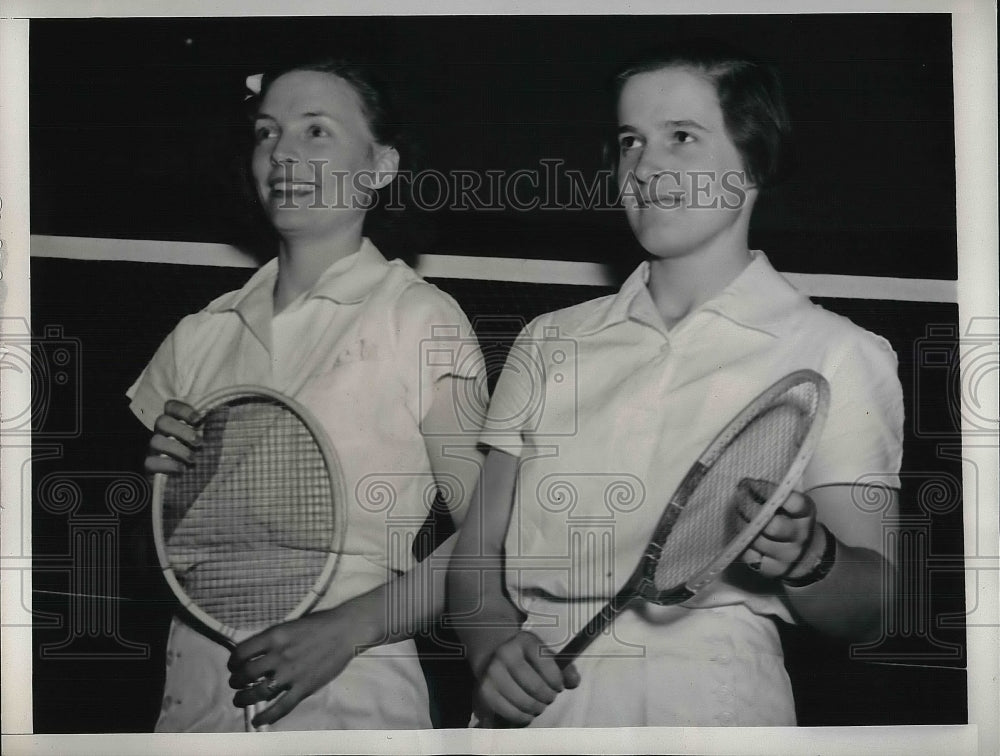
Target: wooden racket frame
[(641, 584), (230, 636)]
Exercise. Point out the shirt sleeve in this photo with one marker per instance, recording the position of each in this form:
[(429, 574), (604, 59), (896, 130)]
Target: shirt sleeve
[(517, 398), (862, 441), (156, 384), (436, 340)]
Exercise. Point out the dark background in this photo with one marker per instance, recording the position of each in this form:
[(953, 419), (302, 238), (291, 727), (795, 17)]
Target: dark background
[(133, 121), (136, 132)]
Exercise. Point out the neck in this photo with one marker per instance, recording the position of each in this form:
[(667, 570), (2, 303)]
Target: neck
[(678, 285), (302, 260)]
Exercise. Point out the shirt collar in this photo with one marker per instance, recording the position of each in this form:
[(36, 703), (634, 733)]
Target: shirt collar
[(347, 281), (759, 298)]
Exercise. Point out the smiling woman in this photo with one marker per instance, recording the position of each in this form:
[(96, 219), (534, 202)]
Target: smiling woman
[(315, 168), (333, 324), (701, 327)]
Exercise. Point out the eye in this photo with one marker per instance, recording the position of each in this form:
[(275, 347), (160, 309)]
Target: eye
[(628, 142), (683, 137), (262, 132), (317, 131)]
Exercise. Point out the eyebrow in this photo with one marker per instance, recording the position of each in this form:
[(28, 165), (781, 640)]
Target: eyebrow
[(309, 114), (669, 124)]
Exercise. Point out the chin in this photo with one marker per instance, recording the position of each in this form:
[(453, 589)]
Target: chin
[(660, 242)]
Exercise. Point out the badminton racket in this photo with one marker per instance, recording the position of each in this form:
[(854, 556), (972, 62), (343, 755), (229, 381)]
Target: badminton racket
[(249, 535), (701, 531)]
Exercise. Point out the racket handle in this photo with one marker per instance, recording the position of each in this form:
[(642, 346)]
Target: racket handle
[(597, 625), (249, 712)]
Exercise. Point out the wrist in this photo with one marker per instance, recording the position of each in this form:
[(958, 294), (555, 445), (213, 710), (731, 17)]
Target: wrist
[(817, 561), (366, 620)]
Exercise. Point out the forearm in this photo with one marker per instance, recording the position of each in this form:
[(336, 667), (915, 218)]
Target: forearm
[(478, 608), (479, 611), (849, 601), (405, 605)]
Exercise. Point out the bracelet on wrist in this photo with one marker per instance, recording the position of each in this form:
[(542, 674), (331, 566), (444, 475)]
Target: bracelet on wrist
[(820, 568)]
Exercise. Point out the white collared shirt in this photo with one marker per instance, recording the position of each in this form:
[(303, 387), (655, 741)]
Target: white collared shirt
[(607, 409), (362, 351)]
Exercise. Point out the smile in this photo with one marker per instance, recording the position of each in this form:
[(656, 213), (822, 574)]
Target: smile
[(293, 187)]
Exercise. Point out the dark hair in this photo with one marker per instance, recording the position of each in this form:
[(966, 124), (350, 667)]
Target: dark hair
[(750, 95), (376, 101)]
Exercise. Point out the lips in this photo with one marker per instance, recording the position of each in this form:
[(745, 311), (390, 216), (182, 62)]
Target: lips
[(281, 190), (282, 186), (668, 201)]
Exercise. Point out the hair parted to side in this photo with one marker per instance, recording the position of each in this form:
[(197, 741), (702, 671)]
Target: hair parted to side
[(376, 101), (750, 95)]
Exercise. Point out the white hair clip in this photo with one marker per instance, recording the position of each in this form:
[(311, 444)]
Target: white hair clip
[(253, 85)]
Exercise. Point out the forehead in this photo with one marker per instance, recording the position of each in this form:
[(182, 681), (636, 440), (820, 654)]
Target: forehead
[(669, 94), (299, 92)]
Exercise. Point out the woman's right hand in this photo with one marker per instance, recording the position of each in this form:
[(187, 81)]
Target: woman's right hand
[(173, 439), (521, 680)]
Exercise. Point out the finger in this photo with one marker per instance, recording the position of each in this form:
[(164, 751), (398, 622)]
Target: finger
[(167, 465), (545, 665), (251, 672), (571, 677), (180, 410), (798, 506), (775, 557), (281, 706), (166, 425), (170, 447), (263, 690), (495, 702), (759, 490), (783, 529), (513, 687), (524, 662), (770, 567), (751, 495), (249, 649), (752, 558)]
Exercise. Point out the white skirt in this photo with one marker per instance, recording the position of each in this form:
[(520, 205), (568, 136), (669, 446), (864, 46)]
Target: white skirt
[(383, 688)]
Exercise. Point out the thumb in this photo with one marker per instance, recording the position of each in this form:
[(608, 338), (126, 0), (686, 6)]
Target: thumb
[(571, 678), (751, 495), (798, 505)]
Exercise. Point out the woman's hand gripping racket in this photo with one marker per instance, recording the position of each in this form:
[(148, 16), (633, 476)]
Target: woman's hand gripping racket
[(701, 531), (249, 534)]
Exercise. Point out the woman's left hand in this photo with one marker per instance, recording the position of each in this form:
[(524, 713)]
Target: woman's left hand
[(784, 547), (293, 660)]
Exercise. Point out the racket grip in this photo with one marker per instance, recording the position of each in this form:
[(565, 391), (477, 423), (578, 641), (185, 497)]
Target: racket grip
[(598, 624), (249, 712)]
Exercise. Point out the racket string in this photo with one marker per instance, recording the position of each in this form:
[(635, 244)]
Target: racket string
[(762, 448), (251, 523)]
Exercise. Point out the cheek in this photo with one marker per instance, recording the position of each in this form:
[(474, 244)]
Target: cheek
[(260, 165)]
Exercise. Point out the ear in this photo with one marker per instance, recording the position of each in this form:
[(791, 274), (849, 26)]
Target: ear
[(386, 166)]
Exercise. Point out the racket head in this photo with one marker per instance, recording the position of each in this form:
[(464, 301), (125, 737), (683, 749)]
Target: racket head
[(251, 534), (701, 531)]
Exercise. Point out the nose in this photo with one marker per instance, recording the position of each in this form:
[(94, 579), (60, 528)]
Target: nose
[(285, 151), (648, 164)]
